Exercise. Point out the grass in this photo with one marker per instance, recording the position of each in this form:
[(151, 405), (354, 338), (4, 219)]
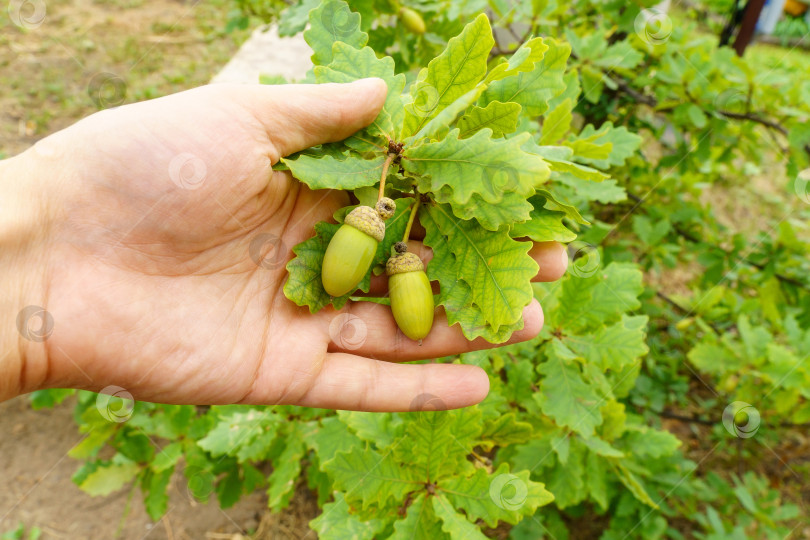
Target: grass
[(154, 48)]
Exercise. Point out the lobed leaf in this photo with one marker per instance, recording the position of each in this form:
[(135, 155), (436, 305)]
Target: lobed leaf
[(450, 75), (497, 268), (330, 22)]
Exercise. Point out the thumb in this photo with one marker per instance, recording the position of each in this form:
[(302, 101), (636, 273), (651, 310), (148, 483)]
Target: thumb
[(297, 116)]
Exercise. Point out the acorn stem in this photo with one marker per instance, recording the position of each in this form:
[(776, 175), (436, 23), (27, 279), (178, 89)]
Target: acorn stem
[(387, 164), (414, 210)]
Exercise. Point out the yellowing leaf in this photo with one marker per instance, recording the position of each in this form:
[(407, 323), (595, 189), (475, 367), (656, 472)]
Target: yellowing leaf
[(450, 75)]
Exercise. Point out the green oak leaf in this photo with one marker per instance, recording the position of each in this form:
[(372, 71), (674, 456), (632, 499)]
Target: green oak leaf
[(590, 303), (453, 523), (498, 269), (326, 172), (496, 496), (544, 225), (156, 497), (552, 203), (437, 128), (420, 523), (456, 297), (349, 64), (380, 429), (506, 430), (557, 123), (368, 477), (167, 457), (332, 21), (632, 483), (647, 442), (478, 164), (614, 346), (286, 470), (294, 19), (523, 59), (500, 118), (330, 436), (336, 522), (244, 435), (564, 395), (596, 471), (436, 443), (450, 75), (110, 477), (606, 192), (568, 483), (492, 217), (534, 89), (589, 146)]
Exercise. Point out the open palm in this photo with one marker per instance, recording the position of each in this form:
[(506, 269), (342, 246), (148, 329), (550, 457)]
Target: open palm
[(167, 250)]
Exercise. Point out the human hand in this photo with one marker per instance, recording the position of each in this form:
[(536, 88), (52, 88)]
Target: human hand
[(145, 218)]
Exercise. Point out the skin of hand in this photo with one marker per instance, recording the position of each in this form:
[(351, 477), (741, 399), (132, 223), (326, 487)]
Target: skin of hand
[(136, 229)]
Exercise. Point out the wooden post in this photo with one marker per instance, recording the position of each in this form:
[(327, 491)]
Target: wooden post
[(752, 10)]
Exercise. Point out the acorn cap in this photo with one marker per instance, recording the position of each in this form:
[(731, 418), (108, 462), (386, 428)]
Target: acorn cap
[(366, 219), (385, 207), (404, 262)]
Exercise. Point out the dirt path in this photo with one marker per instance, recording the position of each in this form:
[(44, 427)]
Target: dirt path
[(38, 490)]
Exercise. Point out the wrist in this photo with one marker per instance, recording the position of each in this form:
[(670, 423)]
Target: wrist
[(24, 230)]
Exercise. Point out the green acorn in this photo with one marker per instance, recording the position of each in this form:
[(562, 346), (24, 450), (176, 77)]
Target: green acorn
[(412, 20), (410, 293), (351, 251)]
